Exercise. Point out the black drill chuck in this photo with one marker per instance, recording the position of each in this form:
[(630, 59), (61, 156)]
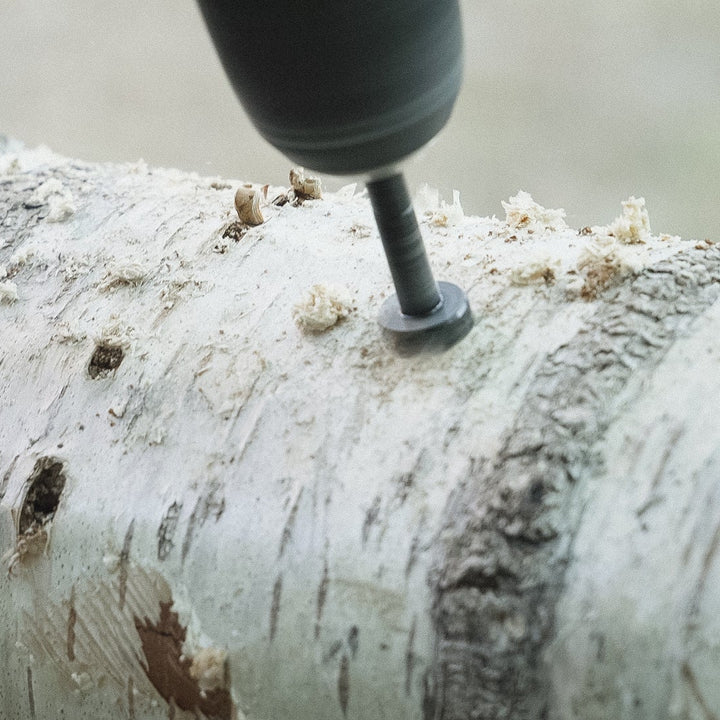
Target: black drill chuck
[(353, 87), (341, 86)]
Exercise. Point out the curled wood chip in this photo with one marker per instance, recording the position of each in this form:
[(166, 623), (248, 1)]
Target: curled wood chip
[(305, 187), (247, 204)]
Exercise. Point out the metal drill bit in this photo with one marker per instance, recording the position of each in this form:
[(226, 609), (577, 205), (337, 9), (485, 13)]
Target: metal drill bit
[(424, 315)]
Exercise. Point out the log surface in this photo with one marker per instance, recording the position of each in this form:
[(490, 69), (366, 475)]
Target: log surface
[(211, 511)]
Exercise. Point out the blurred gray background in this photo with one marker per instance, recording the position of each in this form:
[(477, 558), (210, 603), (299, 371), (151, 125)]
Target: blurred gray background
[(580, 103)]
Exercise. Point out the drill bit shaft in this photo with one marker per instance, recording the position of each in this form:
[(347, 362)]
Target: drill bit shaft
[(423, 315), (416, 288)]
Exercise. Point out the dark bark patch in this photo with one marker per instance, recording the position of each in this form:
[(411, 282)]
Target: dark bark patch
[(123, 564), (343, 684), (410, 657), (72, 619), (287, 532), (40, 503), (403, 485), (235, 231), (371, 516), (166, 531), (31, 694), (354, 640), (412, 554), (104, 360), (131, 698), (169, 669), (275, 607), (206, 506), (332, 651), (43, 495), (321, 598)]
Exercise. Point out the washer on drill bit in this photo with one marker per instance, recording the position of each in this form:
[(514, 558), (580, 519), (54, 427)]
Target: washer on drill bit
[(423, 315)]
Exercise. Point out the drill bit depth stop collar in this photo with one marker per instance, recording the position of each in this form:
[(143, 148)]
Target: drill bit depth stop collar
[(423, 315)]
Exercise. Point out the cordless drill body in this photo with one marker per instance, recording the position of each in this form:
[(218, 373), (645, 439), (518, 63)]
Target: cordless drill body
[(342, 86)]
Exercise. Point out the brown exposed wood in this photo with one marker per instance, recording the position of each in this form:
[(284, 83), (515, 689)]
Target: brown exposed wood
[(168, 669)]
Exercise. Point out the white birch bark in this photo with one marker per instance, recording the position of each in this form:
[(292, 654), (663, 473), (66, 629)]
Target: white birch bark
[(210, 511)]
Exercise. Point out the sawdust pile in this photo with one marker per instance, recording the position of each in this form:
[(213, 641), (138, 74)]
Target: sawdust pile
[(58, 199), (523, 213), (437, 212), (631, 227), (541, 267), (322, 307), (209, 668)]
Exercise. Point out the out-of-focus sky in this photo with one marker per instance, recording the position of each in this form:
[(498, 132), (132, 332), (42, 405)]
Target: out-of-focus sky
[(580, 103)]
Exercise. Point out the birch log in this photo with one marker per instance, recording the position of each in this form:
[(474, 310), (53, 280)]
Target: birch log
[(222, 495)]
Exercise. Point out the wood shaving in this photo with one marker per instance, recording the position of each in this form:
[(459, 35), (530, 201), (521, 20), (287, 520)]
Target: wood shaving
[(602, 262), (209, 668), (59, 200), (448, 215), (305, 187), (437, 212), (247, 204), (632, 226), (322, 307), (541, 268), (31, 542), (523, 213), (115, 333), (128, 273)]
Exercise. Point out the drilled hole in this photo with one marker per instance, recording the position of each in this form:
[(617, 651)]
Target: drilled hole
[(104, 360), (41, 501), (43, 496)]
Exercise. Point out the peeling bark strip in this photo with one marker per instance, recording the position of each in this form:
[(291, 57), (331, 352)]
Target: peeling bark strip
[(169, 670), (501, 573)]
